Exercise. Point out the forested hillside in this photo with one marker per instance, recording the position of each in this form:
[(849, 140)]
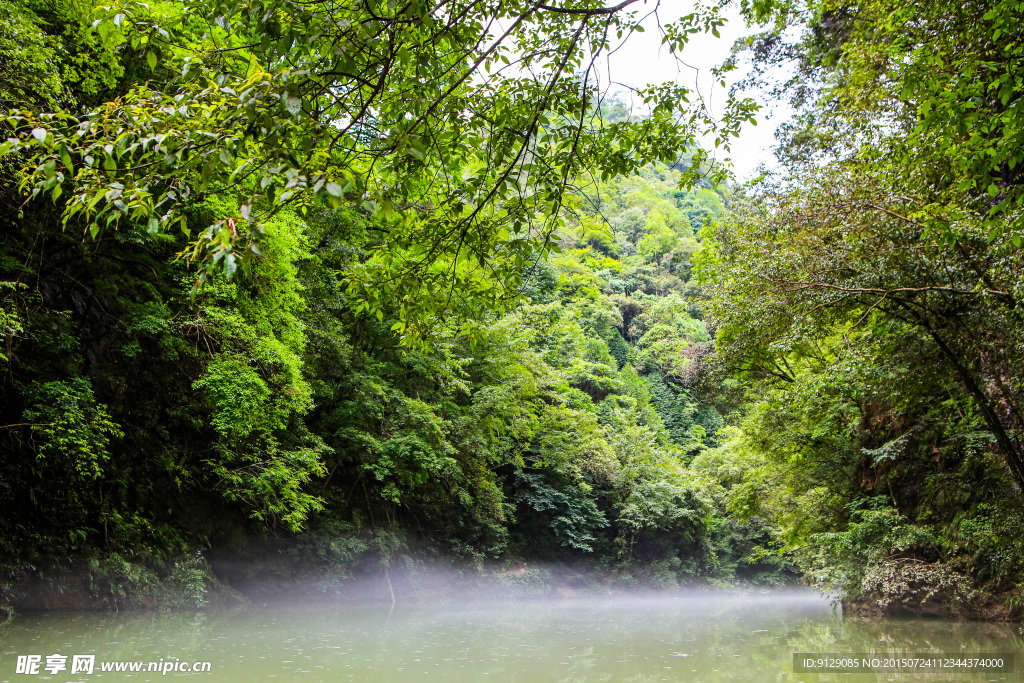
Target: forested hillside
[(265, 418), (300, 390), (302, 293)]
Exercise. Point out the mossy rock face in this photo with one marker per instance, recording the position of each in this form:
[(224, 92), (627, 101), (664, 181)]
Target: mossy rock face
[(983, 607)]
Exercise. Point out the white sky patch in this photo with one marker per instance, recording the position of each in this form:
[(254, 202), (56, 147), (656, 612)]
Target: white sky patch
[(643, 60)]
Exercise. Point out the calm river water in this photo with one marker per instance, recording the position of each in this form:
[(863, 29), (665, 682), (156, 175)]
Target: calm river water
[(700, 637)]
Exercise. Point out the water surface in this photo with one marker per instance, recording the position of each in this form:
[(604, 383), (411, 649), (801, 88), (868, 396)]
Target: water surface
[(695, 637)]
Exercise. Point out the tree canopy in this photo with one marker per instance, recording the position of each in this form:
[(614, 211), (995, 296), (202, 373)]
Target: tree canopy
[(867, 292), (464, 126)]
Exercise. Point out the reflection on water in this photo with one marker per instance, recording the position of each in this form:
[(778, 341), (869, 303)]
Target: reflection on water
[(698, 637)]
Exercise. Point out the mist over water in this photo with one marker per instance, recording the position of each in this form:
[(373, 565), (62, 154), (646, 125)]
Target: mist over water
[(672, 636)]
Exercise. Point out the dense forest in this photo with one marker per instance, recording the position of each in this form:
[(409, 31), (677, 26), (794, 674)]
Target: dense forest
[(307, 292)]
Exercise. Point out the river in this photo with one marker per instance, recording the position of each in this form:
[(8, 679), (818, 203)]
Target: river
[(698, 637)]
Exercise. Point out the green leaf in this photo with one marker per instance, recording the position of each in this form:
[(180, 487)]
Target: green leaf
[(65, 158)]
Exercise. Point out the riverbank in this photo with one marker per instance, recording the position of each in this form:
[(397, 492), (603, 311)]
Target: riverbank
[(201, 583), (981, 607)]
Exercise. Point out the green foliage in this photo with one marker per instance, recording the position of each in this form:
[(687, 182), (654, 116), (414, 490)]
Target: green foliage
[(944, 81), (572, 519), (121, 583), (10, 322), (879, 435), (467, 198), (71, 427), (265, 304), (50, 58)]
